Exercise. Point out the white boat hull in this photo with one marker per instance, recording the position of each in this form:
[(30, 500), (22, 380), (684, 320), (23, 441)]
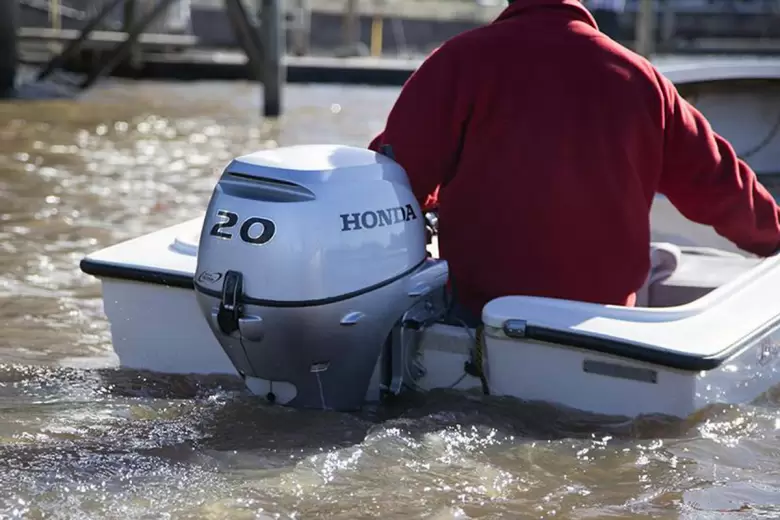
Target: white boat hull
[(156, 324), (159, 328)]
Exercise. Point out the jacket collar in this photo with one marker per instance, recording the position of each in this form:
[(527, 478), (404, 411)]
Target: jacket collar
[(574, 7)]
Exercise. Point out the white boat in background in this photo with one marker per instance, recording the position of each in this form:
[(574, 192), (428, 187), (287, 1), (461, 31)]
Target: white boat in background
[(741, 99), (319, 298)]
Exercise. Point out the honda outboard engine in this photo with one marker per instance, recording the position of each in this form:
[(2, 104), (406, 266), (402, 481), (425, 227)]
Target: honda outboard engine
[(311, 265)]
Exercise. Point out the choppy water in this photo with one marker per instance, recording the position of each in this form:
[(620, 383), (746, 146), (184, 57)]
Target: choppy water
[(79, 439)]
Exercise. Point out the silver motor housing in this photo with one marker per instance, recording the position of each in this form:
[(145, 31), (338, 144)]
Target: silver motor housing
[(311, 260)]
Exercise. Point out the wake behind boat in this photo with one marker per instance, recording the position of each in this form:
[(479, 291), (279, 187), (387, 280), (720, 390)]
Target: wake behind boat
[(309, 277)]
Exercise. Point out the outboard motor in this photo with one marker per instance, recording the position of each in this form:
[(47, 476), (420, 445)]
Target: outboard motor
[(312, 268)]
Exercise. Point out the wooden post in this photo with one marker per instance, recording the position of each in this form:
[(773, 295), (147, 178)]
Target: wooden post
[(129, 16), (273, 52), (9, 57), (350, 34), (377, 35), (55, 17), (669, 24), (302, 28), (645, 28)]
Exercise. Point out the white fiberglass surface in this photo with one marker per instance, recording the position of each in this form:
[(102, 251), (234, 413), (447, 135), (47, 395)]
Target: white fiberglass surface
[(172, 250)]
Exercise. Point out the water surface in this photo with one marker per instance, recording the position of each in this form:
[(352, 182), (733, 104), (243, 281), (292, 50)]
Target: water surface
[(79, 439)]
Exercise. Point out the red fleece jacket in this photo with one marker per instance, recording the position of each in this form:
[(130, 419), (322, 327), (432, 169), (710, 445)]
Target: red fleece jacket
[(543, 143)]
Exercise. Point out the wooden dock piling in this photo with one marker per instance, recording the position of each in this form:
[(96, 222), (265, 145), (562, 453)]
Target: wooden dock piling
[(273, 50), (645, 28), (9, 56), (129, 16)]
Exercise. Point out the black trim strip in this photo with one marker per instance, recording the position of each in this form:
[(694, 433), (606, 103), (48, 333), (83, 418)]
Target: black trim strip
[(311, 303), (633, 352), (643, 375), (120, 272), (267, 180), (616, 347), (133, 274)]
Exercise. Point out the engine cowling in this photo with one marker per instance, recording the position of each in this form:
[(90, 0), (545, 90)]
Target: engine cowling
[(309, 258)]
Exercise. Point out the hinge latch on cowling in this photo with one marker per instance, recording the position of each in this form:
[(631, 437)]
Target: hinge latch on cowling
[(230, 313), (229, 306)]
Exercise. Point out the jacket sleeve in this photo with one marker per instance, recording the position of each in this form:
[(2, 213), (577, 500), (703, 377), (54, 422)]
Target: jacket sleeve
[(706, 181), (425, 126)]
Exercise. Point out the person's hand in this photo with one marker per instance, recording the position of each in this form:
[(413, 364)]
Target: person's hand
[(431, 225)]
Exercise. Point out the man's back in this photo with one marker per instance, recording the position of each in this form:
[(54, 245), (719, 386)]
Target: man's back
[(564, 141), (554, 145)]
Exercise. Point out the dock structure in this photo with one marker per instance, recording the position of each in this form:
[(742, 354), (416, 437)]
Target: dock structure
[(273, 48), (328, 39), (262, 44)]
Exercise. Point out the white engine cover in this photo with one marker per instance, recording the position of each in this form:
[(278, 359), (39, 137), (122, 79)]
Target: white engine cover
[(311, 261), (311, 223)]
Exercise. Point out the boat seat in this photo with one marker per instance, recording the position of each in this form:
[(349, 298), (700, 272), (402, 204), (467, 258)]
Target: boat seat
[(698, 271), (664, 259), (678, 275)]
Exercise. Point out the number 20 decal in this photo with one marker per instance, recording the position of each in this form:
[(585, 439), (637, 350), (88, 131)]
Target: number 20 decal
[(229, 221)]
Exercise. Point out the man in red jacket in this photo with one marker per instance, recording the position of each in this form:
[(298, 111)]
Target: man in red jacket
[(541, 141)]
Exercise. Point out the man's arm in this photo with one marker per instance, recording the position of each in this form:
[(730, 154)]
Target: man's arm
[(425, 126), (709, 184)]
